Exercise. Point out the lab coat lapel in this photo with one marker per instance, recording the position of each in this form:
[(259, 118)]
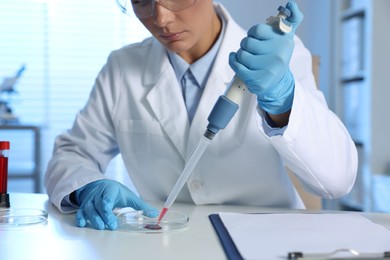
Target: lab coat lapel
[(165, 97)]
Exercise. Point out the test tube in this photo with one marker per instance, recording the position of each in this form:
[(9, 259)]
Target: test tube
[(4, 196)]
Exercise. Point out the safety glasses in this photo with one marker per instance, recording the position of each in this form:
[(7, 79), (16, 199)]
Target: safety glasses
[(145, 8)]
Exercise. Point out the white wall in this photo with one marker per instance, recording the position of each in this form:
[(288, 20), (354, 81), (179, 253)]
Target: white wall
[(250, 12)]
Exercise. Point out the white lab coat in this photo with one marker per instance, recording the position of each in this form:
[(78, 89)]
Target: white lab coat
[(136, 108)]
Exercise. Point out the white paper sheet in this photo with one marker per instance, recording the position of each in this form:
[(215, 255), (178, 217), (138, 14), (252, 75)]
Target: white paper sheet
[(272, 236)]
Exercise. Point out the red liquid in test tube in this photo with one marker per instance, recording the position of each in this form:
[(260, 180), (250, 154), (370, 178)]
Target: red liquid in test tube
[(4, 150), (3, 173)]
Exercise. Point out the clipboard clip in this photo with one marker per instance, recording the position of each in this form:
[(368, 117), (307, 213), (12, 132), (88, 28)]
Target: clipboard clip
[(341, 254)]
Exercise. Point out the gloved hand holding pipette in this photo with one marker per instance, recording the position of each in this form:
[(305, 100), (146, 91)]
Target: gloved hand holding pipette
[(262, 63)]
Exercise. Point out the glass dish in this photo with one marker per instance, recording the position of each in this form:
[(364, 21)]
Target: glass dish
[(146, 221), (22, 217)]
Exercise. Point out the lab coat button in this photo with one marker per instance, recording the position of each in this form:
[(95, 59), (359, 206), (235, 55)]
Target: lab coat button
[(195, 185)]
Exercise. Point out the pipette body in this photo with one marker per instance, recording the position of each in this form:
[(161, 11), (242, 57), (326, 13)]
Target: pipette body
[(221, 114)]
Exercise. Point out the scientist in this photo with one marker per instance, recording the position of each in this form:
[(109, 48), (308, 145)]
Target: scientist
[(150, 103)]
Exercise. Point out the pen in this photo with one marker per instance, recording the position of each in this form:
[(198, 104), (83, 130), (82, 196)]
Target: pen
[(353, 255)]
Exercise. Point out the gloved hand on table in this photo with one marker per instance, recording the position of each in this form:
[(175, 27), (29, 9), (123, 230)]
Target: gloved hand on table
[(97, 200), (262, 63)]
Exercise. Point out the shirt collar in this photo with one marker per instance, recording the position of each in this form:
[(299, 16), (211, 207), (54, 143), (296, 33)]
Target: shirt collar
[(202, 67)]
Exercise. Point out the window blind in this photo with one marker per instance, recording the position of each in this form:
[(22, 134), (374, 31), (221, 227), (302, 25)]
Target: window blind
[(63, 44)]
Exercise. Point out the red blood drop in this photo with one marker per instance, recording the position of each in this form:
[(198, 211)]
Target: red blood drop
[(152, 226)]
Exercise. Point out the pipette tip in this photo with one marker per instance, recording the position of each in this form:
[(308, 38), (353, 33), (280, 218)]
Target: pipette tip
[(162, 214)]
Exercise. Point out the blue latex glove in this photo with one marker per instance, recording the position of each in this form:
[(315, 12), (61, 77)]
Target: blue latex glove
[(262, 63), (97, 200)]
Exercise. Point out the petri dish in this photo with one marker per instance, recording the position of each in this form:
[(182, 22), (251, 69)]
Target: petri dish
[(22, 217), (146, 221)]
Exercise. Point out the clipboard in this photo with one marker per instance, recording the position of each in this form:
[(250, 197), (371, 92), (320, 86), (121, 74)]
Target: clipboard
[(232, 252), (228, 245)]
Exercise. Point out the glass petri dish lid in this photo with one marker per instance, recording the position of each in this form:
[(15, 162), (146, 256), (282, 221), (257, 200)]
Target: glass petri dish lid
[(147, 221), (22, 217)]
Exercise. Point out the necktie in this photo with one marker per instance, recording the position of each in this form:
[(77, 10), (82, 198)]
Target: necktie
[(191, 93)]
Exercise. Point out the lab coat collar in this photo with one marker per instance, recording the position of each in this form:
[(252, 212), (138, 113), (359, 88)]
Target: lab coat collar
[(157, 63), (230, 43)]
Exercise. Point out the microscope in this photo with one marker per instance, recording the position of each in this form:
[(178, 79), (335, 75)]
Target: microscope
[(7, 88)]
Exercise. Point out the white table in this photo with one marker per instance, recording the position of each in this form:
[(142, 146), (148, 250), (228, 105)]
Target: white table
[(61, 239)]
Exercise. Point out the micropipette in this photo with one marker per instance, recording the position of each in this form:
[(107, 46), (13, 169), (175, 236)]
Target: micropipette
[(221, 114)]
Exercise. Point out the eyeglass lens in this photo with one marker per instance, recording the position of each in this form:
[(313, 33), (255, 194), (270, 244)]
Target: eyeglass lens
[(145, 8)]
